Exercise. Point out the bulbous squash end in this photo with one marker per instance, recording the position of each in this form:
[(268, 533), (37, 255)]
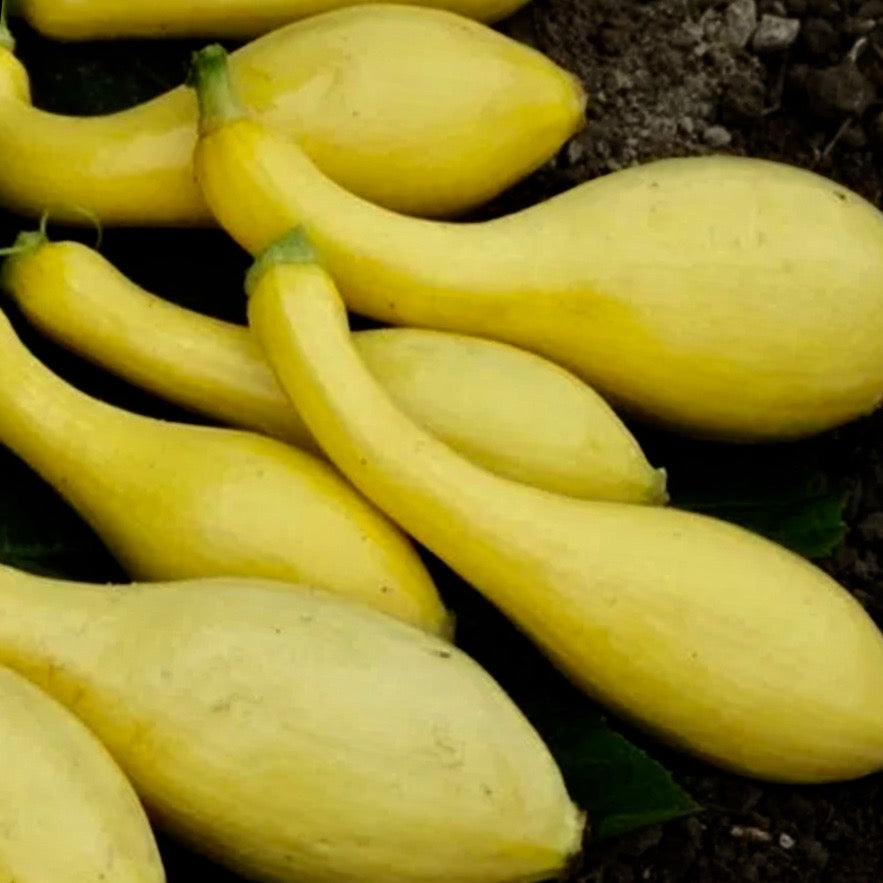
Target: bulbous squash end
[(14, 80)]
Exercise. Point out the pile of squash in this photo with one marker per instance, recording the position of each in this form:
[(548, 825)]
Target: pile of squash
[(279, 686)]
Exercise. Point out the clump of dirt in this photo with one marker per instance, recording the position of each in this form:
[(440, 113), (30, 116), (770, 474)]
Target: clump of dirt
[(755, 832), (793, 80), (653, 97)]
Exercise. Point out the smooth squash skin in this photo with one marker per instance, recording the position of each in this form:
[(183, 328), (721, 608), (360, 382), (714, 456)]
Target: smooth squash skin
[(67, 811), (15, 84), (721, 296), (362, 88), (231, 19), (298, 737), (715, 639), (172, 500), (508, 410)]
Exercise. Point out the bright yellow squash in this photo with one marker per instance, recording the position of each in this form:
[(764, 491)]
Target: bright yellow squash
[(710, 636), (295, 736), (364, 89), (14, 82), (172, 500), (67, 812), (508, 410), (722, 296), (233, 19)]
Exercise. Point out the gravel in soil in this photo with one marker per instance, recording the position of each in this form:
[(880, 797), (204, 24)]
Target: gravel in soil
[(793, 80)]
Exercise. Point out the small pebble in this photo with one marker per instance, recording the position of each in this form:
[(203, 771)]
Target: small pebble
[(857, 27), (575, 152), (775, 33), (840, 90), (740, 20), (687, 36), (743, 98), (721, 58), (820, 38), (749, 832), (686, 126), (716, 136), (786, 841)]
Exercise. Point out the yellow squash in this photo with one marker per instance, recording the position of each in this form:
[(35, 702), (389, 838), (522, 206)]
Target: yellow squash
[(67, 812), (295, 736), (712, 637), (172, 500), (365, 89), (723, 296), (233, 19), (509, 410)]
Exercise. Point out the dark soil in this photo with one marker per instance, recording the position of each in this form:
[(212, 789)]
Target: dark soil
[(794, 80), (680, 77)]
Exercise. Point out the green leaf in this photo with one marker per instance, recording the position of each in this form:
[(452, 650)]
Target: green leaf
[(619, 785), (809, 520), (40, 533), (783, 491)]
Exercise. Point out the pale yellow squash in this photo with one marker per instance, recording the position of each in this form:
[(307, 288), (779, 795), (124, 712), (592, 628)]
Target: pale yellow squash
[(172, 500), (721, 296), (710, 636), (297, 737), (509, 410), (234, 19), (365, 89), (67, 811)]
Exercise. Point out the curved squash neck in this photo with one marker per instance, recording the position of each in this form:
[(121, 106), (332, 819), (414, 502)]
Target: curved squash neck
[(15, 85), (260, 186), (421, 482), (126, 165), (167, 108), (53, 427)]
